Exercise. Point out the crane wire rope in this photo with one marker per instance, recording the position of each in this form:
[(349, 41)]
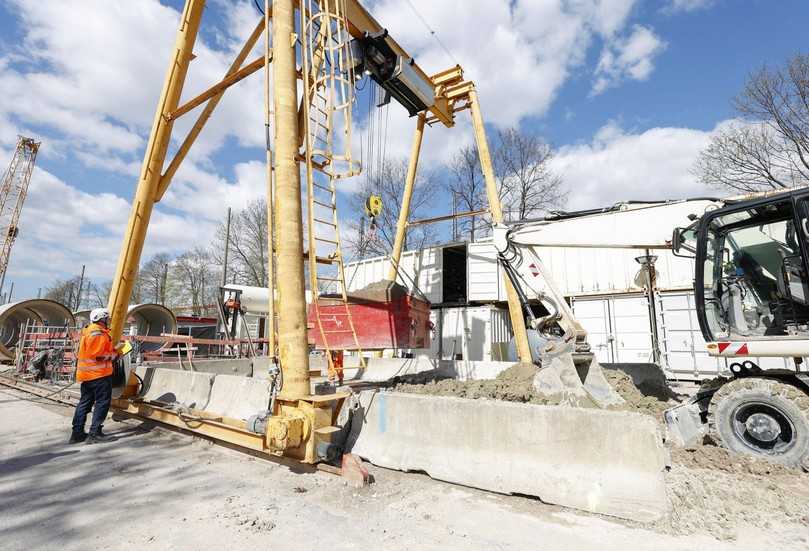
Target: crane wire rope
[(432, 32)]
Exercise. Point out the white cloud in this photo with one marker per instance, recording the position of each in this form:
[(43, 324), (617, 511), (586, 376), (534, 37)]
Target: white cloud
[(620, 166), (518, 53), (687, 5), (62, 228), (97, 68), (631, 57)]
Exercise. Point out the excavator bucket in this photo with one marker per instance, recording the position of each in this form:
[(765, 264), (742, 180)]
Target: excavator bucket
[(565, 382)]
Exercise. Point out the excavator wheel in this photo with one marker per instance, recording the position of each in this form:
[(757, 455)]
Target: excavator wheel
[(762, 417)]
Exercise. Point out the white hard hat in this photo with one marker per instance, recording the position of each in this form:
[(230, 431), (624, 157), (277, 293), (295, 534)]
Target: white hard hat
[(99, 314)]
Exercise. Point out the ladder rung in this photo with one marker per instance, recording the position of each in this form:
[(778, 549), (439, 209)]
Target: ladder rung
[(321, 278), (319, 221), (322, 204), (340, 331), (330, 190), (322, 259), (326, 240)]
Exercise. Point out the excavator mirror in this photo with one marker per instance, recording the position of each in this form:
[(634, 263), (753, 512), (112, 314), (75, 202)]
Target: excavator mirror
[(684, 239)]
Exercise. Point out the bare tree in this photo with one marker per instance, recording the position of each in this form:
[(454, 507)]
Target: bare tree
[(154, 278), (466, 187), (527, 185), (64, 291), (247, 254), (98, 294), (93, 295), (769, 147), (196, 278), (389, 184)]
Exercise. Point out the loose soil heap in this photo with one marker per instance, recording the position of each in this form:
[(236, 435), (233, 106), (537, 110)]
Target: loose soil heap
[(516, 384)]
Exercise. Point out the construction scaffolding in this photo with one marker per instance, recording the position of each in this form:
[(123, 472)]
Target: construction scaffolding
[(47, 352)]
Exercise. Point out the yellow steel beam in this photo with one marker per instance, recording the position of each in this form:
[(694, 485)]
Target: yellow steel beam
[(129, 260), (219, 87), (360, 22), (206, 113), (514, 306), (195, 421), (404, 211)]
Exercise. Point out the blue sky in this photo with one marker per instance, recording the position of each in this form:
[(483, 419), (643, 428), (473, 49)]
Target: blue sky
[(628, 91)]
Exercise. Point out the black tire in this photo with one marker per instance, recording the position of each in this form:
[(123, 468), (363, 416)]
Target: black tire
[(779, 405)]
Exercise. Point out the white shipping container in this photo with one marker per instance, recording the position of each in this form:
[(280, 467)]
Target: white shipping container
[(472, 333), (618, 328), (420, 271)]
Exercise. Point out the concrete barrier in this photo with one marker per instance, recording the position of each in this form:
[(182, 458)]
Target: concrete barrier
[(229, 366), (172, 386), (238, 397), (600, 461)]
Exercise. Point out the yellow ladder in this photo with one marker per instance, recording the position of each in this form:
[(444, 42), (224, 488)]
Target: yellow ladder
[(328, 99)]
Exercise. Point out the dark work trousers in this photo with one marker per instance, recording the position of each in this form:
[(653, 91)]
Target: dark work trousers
[(98, 392)]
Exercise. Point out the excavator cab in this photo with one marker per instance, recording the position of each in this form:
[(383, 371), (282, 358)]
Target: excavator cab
[(752, 297), (751, 273)]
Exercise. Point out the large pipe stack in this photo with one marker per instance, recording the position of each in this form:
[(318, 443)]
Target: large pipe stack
[(38, 311)]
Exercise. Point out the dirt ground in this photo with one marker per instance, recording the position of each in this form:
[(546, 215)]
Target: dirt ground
[(157, 488)]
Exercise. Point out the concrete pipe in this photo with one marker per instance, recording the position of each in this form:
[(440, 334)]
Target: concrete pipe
[(39, 311), (256, 300), (82, 317), (150, 320)]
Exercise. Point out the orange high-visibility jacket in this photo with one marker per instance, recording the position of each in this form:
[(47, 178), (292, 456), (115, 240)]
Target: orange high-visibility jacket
[(95, 353)]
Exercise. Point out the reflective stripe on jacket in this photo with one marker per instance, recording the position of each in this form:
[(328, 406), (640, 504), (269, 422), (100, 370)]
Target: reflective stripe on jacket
[(95, 354)]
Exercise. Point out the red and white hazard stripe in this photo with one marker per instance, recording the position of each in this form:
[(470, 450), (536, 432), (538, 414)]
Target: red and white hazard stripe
[(733, 349), (780, 347)]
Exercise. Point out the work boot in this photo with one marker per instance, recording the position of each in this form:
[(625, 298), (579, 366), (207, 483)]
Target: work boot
[(77, 437), (98, 437)]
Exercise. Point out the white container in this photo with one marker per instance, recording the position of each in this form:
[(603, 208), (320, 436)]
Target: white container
[(472, 333), (420, 272)]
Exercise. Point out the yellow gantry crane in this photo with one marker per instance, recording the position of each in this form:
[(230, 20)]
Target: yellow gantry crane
[(338, 39), (13, 191)]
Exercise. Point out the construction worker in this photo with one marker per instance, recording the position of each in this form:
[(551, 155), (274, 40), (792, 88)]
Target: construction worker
[(94, 372), (336, 366)]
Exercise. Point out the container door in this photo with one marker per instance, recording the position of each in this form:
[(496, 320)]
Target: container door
[(631, 329), (594, 315), (483, 274), (681, 339)]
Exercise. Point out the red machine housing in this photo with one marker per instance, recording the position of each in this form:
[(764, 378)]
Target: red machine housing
[(383, 318)]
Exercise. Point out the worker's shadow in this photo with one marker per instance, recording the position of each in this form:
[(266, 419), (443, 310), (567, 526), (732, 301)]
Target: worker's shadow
[(17, 464), (142, 428)]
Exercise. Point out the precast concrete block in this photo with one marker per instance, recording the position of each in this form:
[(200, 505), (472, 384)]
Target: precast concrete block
[(171, 386), (229, 366), (238, 397), (606, 462)]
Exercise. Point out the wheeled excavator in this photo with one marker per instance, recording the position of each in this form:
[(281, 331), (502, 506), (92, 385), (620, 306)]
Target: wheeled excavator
[(751, 260)]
